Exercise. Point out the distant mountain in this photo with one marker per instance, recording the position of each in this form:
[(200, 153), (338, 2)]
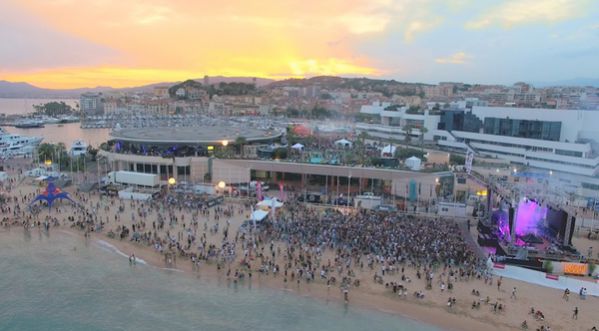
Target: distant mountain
[(594, 82), (26, 90), (248, 80), (334, 81)]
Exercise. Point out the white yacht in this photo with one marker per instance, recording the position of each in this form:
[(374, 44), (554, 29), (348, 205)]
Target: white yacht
[(78, 147), (15, 145)]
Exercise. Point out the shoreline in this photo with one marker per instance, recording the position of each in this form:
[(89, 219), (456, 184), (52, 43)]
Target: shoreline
[(431, 310), (405, 308)]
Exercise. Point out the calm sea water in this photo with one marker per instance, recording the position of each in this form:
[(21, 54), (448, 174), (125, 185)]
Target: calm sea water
[(10, 106), (52, 133), (62, 283), (66, 134)]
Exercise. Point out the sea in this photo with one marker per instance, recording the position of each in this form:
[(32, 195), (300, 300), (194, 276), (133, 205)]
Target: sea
[(64, 282), (52, 133), (16, 106), (65, 133)]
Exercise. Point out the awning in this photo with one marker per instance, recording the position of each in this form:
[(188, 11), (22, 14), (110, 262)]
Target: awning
[(270, 203), (259, 215)]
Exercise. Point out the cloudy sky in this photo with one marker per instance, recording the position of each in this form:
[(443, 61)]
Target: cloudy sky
[(76, 43)]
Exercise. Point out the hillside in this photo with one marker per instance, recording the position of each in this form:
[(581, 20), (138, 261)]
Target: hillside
[(26, 90)]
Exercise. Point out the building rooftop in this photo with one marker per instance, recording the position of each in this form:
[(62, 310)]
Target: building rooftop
[(209, 134)]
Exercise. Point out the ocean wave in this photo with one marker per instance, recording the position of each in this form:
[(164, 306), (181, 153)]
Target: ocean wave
[(110, 247), (172, 269)]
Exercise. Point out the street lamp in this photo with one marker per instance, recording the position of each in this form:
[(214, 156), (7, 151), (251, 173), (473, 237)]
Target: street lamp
[(48, 163), (172, 181), (225, 143), (221, 185)]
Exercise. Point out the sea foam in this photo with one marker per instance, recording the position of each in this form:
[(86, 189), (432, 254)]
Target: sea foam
[(112, 248)]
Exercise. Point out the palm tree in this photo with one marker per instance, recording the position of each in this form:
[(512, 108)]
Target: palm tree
[(45, 152), (240, 142), (362, 145), (423, 131), (408, 132)]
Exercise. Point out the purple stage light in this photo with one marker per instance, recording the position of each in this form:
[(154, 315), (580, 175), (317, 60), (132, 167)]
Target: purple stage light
[(529, 217)]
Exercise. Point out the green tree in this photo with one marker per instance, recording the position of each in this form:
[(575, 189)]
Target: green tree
[(456, 159), (45, 152), (54, 109), (92, 152), (408, 133), (423, 131), (240, 142)]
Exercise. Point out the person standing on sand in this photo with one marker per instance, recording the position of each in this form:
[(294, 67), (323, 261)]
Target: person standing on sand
[(513, 296), (499, 283), (575, 314)]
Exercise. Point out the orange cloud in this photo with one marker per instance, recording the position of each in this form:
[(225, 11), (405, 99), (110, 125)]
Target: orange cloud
[(72, 77), (456, 58), (173, 40)]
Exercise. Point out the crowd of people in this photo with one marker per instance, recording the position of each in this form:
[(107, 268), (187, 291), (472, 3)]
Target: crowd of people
[(300, 245)]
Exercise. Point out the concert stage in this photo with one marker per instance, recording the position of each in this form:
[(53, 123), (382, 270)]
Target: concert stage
[(527, 232)]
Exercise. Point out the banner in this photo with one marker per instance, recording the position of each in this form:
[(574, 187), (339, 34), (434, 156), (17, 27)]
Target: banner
[(259, 190), (469, 159), (281, 192)]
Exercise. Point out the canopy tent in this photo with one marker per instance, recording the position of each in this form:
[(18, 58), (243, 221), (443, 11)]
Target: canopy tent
[(388, 151), (343, 143), (50, 194), (270, 202), (259, 215), (298, 147), (413, 163)]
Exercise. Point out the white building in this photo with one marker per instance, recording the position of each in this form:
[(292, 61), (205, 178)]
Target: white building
[(558, 140)]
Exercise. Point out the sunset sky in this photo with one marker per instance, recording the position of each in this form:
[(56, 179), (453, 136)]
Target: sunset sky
[(86, 43)]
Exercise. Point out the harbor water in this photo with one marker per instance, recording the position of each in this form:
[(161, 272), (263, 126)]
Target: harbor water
[(67, 133), (63, 282)]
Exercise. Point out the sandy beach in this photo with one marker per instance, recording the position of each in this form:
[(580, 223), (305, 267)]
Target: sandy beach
[(432, 309)]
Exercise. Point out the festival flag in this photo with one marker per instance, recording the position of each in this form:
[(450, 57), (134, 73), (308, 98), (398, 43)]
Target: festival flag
[(253, 218), (281, 192), (259, 190), (469, 159)]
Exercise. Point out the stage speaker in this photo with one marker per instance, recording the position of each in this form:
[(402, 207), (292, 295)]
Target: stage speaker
[(489, 207), (569, 230), (511, 213)]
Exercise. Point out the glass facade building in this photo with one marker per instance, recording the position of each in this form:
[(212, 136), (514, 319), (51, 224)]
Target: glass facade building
[(543, 130)]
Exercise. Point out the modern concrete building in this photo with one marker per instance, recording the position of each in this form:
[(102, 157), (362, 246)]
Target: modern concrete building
[(92, 104), (559, 140), (565, 141)]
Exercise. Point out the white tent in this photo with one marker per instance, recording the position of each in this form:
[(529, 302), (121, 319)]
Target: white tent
[(388, 151), (270, 203), (259, 215), (298, 147), (343, 143), (413, 163)]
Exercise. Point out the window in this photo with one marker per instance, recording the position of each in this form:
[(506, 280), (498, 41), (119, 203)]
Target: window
[(568, 153)]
